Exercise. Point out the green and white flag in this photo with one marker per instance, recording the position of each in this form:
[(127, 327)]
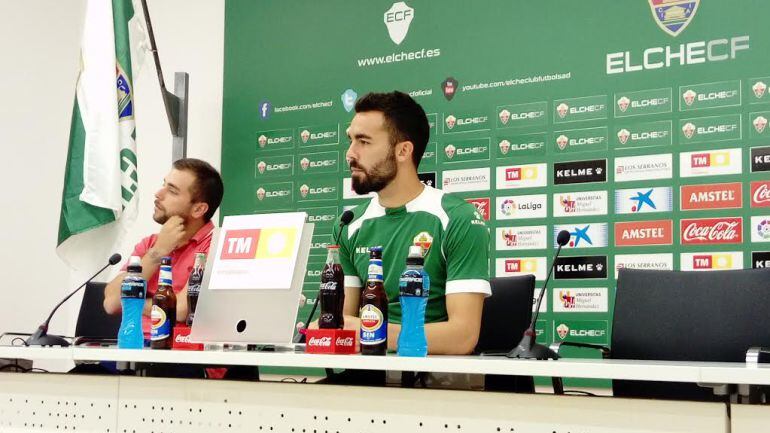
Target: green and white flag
[(100, 181)]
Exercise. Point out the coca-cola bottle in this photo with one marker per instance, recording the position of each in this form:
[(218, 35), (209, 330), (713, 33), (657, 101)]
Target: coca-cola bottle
[(374, 308), (194, 285), (331, 293)]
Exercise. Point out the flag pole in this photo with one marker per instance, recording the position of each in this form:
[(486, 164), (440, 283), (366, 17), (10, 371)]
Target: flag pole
[(175, 104)]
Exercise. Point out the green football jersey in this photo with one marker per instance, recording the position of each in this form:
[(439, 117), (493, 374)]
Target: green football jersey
[(453, 235)]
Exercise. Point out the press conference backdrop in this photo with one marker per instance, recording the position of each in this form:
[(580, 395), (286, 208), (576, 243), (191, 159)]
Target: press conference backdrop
[(639, 126)]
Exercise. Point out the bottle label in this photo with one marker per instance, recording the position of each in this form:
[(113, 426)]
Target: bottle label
[(375, 270), (161, 325), (414, 282), (133, 288), (165, 275), (374, 328), (328, 287)]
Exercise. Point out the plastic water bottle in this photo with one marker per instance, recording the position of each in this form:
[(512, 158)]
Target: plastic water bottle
[(414, 287), (132, 293)]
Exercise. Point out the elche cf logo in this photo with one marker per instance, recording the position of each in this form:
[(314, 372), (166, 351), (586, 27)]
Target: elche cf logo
[(505, 146), (262, 140), (398, 19), (261, 194), (689, 97), (562, 331), (261, 167), (504, 116), (759, 124), (562, 110), (673, 16), (304, 190), (688, 129), (304, 135), (562, 141), (449, 150), (623, 103), (450, 121), (759, 89), (304, 163), (623, 135)]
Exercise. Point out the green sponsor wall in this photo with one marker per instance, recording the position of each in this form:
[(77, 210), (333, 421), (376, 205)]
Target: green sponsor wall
[(535, 83)]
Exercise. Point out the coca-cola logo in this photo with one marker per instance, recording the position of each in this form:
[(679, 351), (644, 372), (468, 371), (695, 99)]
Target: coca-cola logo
[(344, 341), (320, 342), (761, 195), (712, 231), (183, 339)]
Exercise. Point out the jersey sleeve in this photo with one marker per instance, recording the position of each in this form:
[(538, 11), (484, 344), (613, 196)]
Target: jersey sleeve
[(467, 252), (346, 259)]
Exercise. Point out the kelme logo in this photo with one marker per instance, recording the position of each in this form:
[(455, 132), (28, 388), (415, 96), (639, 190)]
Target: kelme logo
[(673, 16), (398, 19)]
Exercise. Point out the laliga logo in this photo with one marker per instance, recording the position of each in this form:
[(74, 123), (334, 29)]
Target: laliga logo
[(261, 167), (508, 207), (398, 19), (562, 141), (450, 151), (759, 89), (505, 146), (562, 110), (504, 116), (261, 194), (262, 140), (689, 97), (760, 123), (303, 190), (450, 121), (304, 163), (688, 130), (304, 135), (763, 229), (623, 103), (623, 135), (673, 16), (562, 330)]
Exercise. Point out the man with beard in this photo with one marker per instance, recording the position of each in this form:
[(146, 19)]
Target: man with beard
[(184, 205), (387, 137)]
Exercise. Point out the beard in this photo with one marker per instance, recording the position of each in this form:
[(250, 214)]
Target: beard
[(160, 216), (376, 178)]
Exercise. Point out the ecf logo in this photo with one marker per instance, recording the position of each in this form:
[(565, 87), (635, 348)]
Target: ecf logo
[(398, 19)]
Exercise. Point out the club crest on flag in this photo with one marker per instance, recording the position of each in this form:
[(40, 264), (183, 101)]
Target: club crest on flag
[(673, 16)]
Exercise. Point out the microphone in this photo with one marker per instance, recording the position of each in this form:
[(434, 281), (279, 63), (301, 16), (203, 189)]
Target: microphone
[(345, 219), (528, 347), (41, 337)]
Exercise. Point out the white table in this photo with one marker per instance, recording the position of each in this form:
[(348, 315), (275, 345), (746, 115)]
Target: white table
[(139, 404)]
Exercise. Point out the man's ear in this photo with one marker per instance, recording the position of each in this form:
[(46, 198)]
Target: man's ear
[(199, 209), (404, 151)]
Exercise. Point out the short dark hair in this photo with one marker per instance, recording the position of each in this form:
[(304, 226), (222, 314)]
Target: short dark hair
[(405, 119), (208, 187)]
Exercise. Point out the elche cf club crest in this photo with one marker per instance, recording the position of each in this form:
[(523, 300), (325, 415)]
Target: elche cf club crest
[(673, 16)]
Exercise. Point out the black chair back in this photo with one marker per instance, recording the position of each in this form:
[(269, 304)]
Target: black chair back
[(93, 321), (506, 315), (687, 316)]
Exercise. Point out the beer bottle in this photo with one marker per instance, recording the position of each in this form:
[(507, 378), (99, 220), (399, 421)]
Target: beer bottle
[(331, 293), (194, 286), (163, 313), (374, 308)]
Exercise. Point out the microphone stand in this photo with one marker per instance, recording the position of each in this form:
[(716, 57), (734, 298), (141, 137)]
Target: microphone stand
[(40, 337), (528, 348)]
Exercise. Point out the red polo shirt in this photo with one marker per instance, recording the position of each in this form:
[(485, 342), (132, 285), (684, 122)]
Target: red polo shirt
[(182, 261)]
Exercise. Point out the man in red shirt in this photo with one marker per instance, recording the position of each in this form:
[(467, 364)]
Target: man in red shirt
[(184, 205)]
